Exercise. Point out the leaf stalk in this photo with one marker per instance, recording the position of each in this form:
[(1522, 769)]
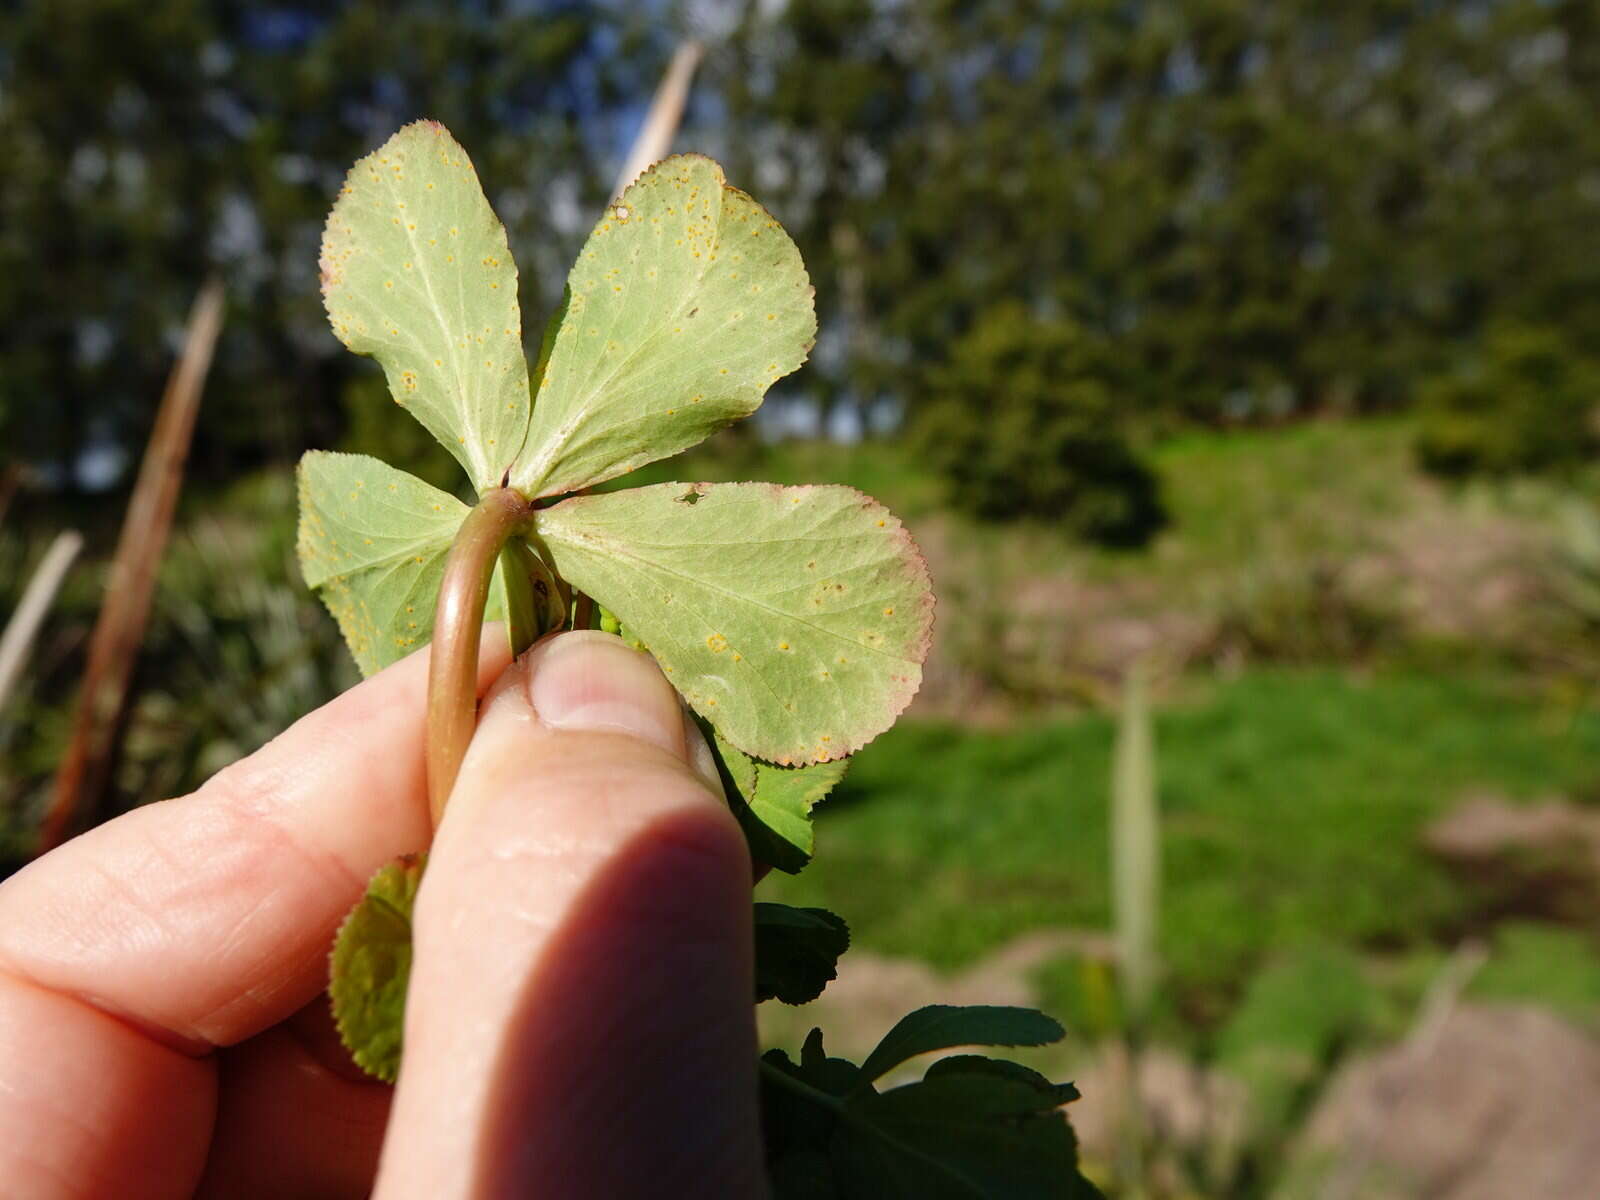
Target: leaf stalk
[(500, 514)]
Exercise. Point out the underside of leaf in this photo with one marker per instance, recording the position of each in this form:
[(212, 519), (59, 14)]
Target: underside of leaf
[(416, 272), (773, 804), (687, 302), (942, 1026), (794, 619), (371, 968), (372, 542), (797, 951)]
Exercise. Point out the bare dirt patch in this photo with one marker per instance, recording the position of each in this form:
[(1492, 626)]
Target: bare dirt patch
[(1501, 1103), (1526, 860)]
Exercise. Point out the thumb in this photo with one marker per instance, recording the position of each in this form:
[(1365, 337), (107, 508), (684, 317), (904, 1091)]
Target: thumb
[(580, 1015)]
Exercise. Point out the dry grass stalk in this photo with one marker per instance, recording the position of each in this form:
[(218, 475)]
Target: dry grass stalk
[(25, 622), (1135, 847), (119, 630), (666, 111), (1136, 899)]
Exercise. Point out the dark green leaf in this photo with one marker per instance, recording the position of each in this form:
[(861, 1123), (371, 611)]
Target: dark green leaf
[(941, 1026), (973, 1129), (797, 951), (738, 770), (836, 1076), (790, 1119), (804, 1175), (977, 1064), (371, 966), (962, 1136), (801, 1114)]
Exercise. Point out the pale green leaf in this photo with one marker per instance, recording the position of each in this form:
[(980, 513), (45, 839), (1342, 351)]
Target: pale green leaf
[(371, 967), (372, 543), (687, 302), (942, 1026), (416, 272), (773, 804), (795, 619)]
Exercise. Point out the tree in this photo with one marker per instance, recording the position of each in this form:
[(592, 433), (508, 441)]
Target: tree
[(1022, 421), (1272, 209), (145, 148), (1525, 402)]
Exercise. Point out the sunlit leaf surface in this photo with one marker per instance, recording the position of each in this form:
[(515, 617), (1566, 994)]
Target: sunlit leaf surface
[(686, 304), (416, 272)]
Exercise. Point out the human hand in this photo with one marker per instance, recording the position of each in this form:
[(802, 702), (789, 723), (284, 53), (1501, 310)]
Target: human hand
[(579, 1020)]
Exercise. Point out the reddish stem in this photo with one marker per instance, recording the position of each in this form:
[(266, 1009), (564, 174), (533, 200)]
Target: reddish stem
[(457, 629)]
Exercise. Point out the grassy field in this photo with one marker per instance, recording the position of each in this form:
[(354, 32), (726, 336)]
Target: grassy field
[(1292, 801), (1344, 651), (1295, 776), (1295, 785)]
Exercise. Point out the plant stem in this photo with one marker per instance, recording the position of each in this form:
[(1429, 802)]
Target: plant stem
[(583, 611), (524, 613), (457, 628), (800, 1087)]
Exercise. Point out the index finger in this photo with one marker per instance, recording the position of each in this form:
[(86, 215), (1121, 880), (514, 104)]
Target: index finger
[(205, 919)]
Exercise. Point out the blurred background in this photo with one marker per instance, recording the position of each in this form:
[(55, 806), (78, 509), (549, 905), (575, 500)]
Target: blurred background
[(1235, 362)]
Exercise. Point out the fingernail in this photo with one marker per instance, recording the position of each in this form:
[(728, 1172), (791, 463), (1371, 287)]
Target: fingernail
[(593, 682)]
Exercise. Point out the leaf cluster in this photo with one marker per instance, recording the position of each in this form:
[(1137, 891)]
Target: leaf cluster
[(972, 1128), (792, 620), (371, 967)]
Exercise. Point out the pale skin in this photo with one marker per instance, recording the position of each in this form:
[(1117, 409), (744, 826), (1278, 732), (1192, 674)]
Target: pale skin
[(580, 1018)]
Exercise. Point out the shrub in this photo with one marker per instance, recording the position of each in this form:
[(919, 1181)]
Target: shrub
[(1022, 421), (1524, 404)]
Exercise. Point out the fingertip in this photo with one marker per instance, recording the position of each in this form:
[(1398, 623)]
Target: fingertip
[(701, 757), (593, 682), (586, 910)]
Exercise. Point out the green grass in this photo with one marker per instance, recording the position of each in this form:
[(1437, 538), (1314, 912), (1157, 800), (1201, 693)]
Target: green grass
[(1292, 801), (1319, 485), (1558, 967)]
